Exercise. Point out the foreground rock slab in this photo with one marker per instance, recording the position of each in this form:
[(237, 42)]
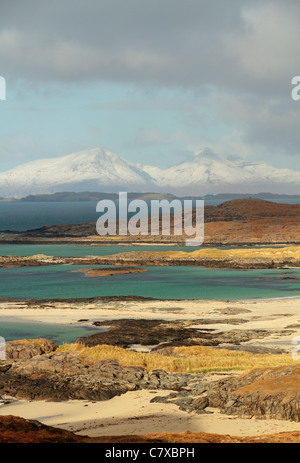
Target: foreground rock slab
[(14, 429), (262, 393)]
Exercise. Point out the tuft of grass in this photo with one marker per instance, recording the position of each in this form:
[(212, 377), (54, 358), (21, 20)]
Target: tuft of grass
[(196, 359), (227, 359), (37, 341)]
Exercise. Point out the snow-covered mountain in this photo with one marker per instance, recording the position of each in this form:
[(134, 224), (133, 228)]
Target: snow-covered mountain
[(99, 170), (207, 172), (90, 170)]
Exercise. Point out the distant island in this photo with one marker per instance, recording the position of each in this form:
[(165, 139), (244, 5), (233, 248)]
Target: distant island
[(238, 222), (67, 196)]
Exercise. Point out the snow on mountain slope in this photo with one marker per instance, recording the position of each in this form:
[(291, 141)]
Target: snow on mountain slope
[(96, 168), (99, 170), (207, 172)]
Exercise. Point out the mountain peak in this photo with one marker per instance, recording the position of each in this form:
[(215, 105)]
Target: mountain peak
[(208, 153), (91, 155), (86, 170)]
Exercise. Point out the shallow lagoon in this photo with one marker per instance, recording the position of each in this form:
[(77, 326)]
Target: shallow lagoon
[(19, 329), (182, 282)]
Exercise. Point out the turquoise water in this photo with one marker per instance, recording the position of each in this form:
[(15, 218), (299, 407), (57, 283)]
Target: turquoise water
[(181, 282), (65, 250), (57, 333), (158, 282)]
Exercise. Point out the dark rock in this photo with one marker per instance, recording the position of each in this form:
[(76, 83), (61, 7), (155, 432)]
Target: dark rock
[(270, 393), (200, 404), (184, 400), (26, 349), (162, 334), (65, 375)]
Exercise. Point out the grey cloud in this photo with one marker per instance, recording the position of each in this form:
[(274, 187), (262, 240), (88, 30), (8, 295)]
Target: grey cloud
[(273, 123), (192, 43), (244, 52)]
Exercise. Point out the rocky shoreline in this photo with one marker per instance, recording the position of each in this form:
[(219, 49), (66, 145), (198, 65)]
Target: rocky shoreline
[(37, 371), (164, 334), (284, 257)]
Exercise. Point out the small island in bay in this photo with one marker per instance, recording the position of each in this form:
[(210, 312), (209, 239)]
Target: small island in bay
[(104, 272)]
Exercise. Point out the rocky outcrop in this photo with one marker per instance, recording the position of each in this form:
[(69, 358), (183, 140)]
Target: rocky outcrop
[(63, 375), (215, 258), (29, 261), (185, 400), (26, 349), (59, 376), (162, 334), (261, 394), (265, 394)]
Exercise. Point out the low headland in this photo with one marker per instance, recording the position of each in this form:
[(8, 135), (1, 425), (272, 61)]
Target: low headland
[(278, 257)]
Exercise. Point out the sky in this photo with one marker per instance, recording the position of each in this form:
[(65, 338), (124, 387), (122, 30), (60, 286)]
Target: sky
[(152, 81)]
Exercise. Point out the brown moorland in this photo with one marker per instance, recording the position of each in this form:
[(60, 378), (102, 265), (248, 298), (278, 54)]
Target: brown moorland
[(235, 222)]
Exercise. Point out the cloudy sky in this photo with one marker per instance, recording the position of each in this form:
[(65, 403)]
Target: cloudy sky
[(152, 81)]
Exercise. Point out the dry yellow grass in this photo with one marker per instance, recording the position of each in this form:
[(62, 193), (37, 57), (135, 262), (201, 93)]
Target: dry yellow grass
[(214, 253), (184, 359), (36, 341), (283, 252)]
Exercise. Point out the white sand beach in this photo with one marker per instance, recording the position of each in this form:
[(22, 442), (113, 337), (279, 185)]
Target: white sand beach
[(132, 413), (272, 314)]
